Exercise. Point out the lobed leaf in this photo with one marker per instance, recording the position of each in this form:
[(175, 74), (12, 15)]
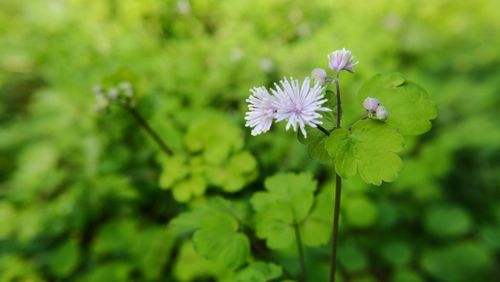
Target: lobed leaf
[(409, 105), (368, 148)]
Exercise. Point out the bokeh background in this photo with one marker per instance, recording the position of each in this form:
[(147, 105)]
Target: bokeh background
[(81, 195)]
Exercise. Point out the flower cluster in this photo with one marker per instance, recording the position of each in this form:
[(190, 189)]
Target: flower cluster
[(298, 104), (122, 93), (375, 109)]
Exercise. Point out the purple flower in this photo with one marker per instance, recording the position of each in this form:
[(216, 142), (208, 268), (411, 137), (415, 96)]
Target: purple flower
[(261, 110), (341, 60), (371, 104), (299, 104)]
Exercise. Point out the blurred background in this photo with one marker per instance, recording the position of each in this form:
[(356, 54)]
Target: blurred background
[(80, 191)]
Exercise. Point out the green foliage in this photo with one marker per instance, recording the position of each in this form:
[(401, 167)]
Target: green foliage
[(447, 221), (288, 204), (410, 107), (79, 195), (218, 239), (216, 232), (368, 148), (460, 262), (214, 157)]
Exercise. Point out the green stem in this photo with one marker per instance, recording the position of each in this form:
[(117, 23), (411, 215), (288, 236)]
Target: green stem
[(338, 190), (145, 125), (301, 253)]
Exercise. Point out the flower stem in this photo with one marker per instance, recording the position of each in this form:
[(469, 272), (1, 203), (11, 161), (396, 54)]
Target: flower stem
[(145, 125), (338, 190), (324, 130), (303, 269)]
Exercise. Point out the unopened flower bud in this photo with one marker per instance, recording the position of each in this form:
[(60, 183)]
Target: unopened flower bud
[(341, 60), (113, 93), (319, 75), (97, 89), (381, 113), (101, 104), (371, 104), (127, 88)]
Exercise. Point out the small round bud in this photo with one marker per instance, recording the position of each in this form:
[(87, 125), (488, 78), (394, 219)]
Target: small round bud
[(127, 88), (113, 93), (341, 60), (101, 103), (371, 104), (319, 75), (97, 89), (381, 113)]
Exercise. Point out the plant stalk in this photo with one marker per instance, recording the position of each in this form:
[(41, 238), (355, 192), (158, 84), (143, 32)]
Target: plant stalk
[(301, 253), (338, 190), (145, 125)]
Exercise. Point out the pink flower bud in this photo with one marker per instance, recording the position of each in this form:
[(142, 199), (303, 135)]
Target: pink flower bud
[(371, 104), (319, 75), (381, 113)]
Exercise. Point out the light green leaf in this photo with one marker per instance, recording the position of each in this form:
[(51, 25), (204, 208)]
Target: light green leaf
[(360, 211), (218, 239), (215, 138), (190, 265), (368, 148), (288, 202), (275, 224), (191, 187), (256, 272), (409, 105), (316, 230), (174, 170)]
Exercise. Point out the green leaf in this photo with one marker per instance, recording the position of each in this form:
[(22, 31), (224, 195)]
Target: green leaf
[(406, 275), (256, 272), (368, 148), (397, 253), (215, 137), (360, 212), (64, 258), (218, 239), (287, 201), (315, 140), (114, 271), (459, 262), (447, 221), (316, 230), (190, 187), (352, 258), (190, 265), (174, 170), (409, 105)]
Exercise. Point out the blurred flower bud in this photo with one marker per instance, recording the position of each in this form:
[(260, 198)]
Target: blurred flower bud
[(381, 113), (127, 88), (97, 89), (319, 75), (341, 60), (101, 103), (113, 93), (371, 104)]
